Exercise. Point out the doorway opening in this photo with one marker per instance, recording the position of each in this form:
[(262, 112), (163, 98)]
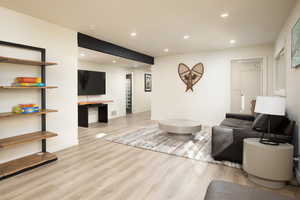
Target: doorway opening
[(246, 84), (129, 93)]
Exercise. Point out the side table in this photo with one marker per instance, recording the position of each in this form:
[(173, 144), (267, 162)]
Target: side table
[(268, 165)]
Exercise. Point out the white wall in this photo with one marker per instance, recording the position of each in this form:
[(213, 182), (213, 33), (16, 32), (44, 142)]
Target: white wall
[(61, 46), (211, 97), (115, 89), (141, 100), (292, 74)]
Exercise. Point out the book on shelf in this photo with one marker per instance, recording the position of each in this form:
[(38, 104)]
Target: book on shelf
[(28, 80), (29, 84)]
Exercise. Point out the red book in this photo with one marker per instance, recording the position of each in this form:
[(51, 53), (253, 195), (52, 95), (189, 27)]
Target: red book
[(28, 105), (28, 80)]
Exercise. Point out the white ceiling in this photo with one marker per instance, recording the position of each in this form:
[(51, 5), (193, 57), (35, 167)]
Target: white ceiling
[(161, 24), (87, 55)]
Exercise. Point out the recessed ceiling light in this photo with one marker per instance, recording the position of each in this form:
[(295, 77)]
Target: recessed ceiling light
[(166, 50), (82, 54), (133, 34), (114, 61), (186, 37), (232, 41), (224, 15)]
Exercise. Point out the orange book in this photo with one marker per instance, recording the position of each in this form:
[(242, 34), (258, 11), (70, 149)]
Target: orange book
[(28, 80)]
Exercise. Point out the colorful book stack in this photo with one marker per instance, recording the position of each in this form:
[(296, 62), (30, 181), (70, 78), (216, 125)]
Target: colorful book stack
[(26, 108), (29, 82)]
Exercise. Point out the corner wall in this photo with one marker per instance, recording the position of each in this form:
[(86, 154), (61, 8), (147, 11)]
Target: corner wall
[(292, 74), (116, 90), (141, 100), (211, 97), (61, 46)]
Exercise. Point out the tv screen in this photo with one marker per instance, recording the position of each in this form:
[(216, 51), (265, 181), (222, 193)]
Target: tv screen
[(91, 83)]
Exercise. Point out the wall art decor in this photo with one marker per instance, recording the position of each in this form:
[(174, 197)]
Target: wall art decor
[(148, 83), (296, 45), (190, 76)]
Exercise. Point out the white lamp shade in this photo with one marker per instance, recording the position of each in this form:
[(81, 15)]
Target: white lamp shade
[(270, 105)]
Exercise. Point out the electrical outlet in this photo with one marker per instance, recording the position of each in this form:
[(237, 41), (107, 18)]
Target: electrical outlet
[(113, 113)]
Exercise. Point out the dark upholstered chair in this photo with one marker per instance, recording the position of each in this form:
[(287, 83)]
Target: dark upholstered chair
[(227, 138), (221, 190)]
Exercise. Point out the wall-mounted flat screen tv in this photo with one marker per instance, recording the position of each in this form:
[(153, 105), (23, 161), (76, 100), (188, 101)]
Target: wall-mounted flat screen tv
[(91, 82)]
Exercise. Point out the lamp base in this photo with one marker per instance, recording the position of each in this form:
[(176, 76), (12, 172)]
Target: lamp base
[(268, 142)]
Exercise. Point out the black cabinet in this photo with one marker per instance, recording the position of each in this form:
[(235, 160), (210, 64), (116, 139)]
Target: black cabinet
[(83, 114)]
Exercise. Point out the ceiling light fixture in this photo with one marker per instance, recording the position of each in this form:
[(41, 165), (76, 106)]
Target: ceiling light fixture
[(82, 54), (133, 34), (166, 50), (186, 37), (232, 41), (224, 15), (114, 61)]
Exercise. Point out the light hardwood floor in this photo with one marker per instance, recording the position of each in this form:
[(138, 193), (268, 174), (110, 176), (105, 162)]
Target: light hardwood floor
[(97, 169)]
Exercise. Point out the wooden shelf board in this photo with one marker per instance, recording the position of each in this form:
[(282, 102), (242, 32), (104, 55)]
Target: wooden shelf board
[(28, 87), (24, 62), (29, 137), (24, 163), (94, 102), (11, 114)]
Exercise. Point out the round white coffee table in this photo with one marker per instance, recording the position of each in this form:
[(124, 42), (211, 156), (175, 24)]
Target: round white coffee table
[(179, 126), (268, 165)]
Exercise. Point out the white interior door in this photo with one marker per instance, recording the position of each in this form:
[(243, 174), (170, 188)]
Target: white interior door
[(246, 81)]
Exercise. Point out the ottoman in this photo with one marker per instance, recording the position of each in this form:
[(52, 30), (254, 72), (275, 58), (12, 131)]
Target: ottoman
[(179, 126), (221, 190)]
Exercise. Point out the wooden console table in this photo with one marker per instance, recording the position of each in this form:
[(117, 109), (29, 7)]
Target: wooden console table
[(83, 111)]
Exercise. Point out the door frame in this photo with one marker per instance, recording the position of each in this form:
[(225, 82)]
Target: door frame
[(264, 74), (131, 87)]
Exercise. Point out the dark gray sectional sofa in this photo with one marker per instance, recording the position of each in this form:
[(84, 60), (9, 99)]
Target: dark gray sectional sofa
[(221, 190), (227, 138)]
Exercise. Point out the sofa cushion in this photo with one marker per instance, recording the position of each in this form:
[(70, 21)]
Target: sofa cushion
[(221, 190), (236, 123), (260, 123), (240, 116), (277, 123)]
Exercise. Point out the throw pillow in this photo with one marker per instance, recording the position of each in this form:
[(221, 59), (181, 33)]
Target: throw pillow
[(261, 123)]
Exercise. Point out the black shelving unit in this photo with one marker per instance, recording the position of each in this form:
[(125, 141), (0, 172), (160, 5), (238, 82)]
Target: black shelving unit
[(11, 168)]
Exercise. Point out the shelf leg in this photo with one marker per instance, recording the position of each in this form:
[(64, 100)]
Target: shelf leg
[(43, 99)]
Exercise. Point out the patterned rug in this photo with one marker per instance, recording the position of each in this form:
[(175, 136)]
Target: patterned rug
[(196, 147)]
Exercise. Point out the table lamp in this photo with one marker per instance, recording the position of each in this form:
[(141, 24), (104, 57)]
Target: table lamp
[(270, 106)]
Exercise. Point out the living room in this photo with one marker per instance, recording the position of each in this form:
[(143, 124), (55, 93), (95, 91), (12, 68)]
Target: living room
[(189, 50)]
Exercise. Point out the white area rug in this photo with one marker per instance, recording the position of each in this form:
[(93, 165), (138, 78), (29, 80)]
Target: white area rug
[(197, 147)]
